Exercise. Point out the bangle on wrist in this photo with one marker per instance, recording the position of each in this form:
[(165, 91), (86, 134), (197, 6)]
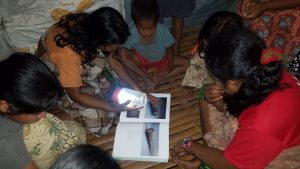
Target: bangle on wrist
[(186, 144)]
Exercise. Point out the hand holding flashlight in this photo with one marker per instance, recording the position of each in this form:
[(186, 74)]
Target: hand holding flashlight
[(124, 107)]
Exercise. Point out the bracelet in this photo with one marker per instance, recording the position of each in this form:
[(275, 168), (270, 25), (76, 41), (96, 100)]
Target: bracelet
[(186, 144), (202, 93)]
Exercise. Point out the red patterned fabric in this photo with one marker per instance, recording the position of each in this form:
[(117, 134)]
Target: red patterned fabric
[(280, 29)]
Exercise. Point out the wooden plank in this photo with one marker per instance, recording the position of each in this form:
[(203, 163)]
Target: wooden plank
[(187, 104), (140, 165), (182, 127)]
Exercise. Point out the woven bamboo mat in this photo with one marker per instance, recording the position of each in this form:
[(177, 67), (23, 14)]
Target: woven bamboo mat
[(184, 115)]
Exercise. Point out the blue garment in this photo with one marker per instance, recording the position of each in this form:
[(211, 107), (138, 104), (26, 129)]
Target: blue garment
[(155, 50)]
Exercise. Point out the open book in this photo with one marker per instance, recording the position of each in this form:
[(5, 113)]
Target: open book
[(143, 135)]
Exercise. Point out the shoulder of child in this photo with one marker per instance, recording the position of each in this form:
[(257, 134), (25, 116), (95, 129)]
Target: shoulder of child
[(13, 147), (162, 27)]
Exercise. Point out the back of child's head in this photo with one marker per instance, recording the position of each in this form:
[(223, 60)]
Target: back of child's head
[(236, 56), (144, 10), (223, 21), (27, 85), (85, 157)]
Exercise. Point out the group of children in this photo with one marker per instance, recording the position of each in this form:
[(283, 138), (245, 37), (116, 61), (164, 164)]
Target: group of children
[(89, 53)]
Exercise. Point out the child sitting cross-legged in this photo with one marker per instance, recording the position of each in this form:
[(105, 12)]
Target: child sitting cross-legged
[(147, 52)]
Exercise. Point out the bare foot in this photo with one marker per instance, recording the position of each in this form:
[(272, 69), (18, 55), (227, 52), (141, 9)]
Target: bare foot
[(190, 164)]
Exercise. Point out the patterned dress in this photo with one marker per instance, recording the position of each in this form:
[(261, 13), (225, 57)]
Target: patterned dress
[(280, 29), (48, 138)]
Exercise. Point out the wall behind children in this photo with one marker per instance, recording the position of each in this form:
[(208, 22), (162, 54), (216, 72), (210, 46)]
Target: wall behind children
[(24, 21), (203, 9)]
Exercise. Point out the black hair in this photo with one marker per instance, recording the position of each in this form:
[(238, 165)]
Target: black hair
[(84, 32), (222, 21), (28, 86), (237, 56), (85, 157), (144, 10)]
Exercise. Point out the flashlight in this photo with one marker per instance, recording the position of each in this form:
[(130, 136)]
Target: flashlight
[(137, 99)]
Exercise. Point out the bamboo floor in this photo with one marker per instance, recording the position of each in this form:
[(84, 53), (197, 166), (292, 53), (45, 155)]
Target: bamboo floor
[(184, 115)]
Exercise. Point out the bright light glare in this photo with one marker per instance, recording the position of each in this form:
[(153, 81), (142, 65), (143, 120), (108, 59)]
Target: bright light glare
[(137, 99)]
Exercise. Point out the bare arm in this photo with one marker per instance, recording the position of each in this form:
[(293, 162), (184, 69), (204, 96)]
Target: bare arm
[(252, 9), (210, 156), (90, 101), (122, 72), (31, 165), (132, 64), (280, 4)]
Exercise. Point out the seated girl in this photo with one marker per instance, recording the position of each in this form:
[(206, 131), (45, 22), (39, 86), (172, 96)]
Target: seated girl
[(30, 137), (255, 90), (81, 49), (217, 128)]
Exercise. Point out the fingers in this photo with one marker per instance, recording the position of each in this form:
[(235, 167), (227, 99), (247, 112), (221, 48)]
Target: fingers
[(252, 13), (252, 10), (175, 157), (133, 108), (213, 93), (247, 6), (126, 103), (124, 107), (153, 99), (187, 91)]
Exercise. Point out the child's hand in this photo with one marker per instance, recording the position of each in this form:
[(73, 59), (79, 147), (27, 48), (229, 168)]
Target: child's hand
[(213, 93), (152, 99), (255, 11), (123, 107), (176, 152), (246, 5), (187, 90)]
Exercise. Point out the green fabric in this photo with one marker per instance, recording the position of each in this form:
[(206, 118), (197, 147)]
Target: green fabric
[(204, 166), (201, 95)]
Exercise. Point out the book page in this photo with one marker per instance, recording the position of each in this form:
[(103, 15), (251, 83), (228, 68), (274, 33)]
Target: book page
[(150, 113), (142, 142)]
